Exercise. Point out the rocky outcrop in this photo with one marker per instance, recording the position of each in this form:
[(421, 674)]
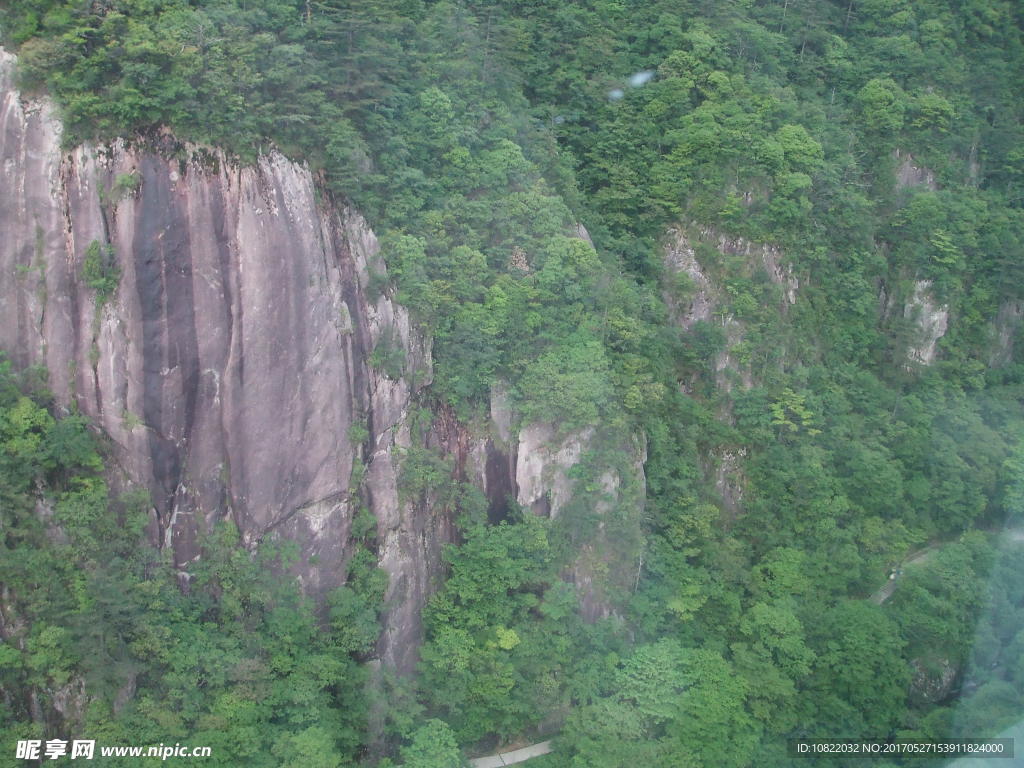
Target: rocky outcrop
[(583, 234), (693, 295), (218, 323), (694, 300), (697, 301), (910, 174), (226, 327), (702, 298), (725, 467), (932, 680), (764, 256), (925, 319), (543, 464), (1005, 331), (591, 473), (930, 320)]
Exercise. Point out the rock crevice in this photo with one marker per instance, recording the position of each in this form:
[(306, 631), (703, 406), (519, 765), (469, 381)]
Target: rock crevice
[(229, 358), (218, 323)]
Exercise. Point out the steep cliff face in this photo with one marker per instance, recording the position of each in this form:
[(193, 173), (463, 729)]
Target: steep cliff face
[(926, 318), (930, 319), (911, 174), (703, 295), (549, 467), (704, 299), (224, 326), (1006, 329), (218, 323), (550, 472)]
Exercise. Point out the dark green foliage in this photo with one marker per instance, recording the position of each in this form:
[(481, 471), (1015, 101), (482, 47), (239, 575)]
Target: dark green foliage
[(389, 356), (663, 703), (473, 663), (796, 452), (860, 676), (237, 662), (99, 270), (433, 746)]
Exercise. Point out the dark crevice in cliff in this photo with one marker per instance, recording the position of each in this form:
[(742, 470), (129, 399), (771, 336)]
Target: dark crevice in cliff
[(66, 171), (231, 371), (230, 304), (500, 474), (163, 266)]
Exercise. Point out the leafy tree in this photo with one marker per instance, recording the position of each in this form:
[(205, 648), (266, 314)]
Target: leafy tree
[(432, 746)]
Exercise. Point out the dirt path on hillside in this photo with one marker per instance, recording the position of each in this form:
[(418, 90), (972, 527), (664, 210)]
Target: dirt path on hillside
[(889, 587)]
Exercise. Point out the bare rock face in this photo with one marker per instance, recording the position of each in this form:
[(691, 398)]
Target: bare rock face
[(932, 680), (583, 234), (698, 305), (550, 473), (910, 174), (1005, 330), (927, 319), (759, 255), (931, 320), (542, 469), (726, 467), (547, 482), (703, 295), (217, 323), (706, 301)]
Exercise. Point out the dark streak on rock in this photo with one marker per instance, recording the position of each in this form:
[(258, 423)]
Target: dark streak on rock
[(500, 472), (163, 266)]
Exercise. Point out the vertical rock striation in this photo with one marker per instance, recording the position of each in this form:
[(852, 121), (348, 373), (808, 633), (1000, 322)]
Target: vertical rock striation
[(218, 322), (232, 360), (697, 296), (910, 174), (930, 320)]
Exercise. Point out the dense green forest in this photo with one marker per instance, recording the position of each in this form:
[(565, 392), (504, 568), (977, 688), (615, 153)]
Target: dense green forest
[(474, 136)]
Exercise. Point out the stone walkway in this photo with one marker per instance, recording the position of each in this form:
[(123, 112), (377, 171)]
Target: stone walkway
[(890, 586), (513, 757)]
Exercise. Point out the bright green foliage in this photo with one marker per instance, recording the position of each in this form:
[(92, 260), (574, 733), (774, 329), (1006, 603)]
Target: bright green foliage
[(569, 386), (237, 663), (433, 746), (666, 705), (860, 679), (354, 607), (99, 270), (790, 414), (938, 600), (480, 632), (881, 102), (795, 453)]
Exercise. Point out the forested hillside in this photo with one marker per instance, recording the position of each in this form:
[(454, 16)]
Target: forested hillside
[(838, 185)]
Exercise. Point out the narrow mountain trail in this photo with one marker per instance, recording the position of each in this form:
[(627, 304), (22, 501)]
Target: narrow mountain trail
[(513, 757), (921, 555), (889, 587)]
